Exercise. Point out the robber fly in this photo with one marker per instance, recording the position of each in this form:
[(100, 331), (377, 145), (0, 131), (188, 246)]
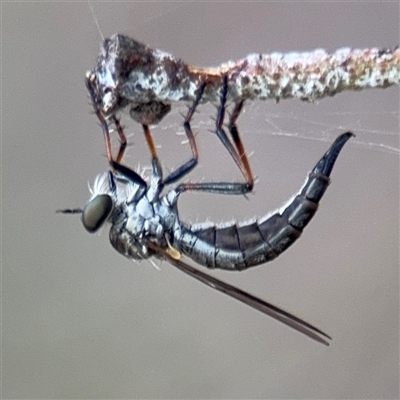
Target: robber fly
[(144, 223)]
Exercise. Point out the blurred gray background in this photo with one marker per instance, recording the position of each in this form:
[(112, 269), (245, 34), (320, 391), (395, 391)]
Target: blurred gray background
[(80, 321)]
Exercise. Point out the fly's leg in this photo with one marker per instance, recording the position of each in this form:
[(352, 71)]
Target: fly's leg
[(185, 168), (239, 145), (150, 142), (238, 154), (103, 121), (105, 127), (155, 162), (122, 139), (117, 165), (189, 165), (213, 187), (128, 173)]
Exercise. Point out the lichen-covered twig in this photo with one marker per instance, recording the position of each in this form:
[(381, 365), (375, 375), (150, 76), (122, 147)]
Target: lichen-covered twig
[(130, 72)]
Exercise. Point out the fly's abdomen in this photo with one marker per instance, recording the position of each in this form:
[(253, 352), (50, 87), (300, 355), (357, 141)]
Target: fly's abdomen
[(238, 247)]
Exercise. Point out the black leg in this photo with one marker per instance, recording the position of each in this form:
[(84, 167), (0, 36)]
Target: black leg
[(184, 169), (238, 154), (122, 139), (103, 122)]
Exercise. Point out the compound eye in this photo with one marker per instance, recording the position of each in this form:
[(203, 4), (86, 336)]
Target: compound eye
[(96, 212)]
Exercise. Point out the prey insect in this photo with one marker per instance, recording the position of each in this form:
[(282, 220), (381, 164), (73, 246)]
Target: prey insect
[(131, 75), (144, 223)]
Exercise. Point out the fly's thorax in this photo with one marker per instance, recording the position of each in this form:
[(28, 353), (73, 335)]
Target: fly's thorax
[(129, 245), (136, 221), (144, 219)]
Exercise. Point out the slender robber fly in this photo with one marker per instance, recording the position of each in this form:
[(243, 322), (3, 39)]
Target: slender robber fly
[(144, 223), (131, 75)]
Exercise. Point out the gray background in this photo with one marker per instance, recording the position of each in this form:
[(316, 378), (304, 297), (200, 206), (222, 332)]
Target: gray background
[(80, 321)]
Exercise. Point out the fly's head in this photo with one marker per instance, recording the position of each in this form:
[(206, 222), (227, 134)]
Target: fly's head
[(124, 205), (99, 208), (102, 208), (96, 212)]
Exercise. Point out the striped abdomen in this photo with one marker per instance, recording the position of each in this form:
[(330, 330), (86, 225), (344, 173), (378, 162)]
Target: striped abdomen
[(239, 247)]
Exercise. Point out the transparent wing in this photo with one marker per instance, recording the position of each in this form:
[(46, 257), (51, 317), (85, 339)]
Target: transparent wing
[(266, 308)]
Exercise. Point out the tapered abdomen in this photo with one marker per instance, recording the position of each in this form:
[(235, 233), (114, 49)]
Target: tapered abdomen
[(239, 247)]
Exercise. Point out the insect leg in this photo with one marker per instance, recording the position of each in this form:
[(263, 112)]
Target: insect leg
[(103, 121), (189, 165), (238, 143), (238, 153), (213, 187), (122, 138), (128, 174)]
